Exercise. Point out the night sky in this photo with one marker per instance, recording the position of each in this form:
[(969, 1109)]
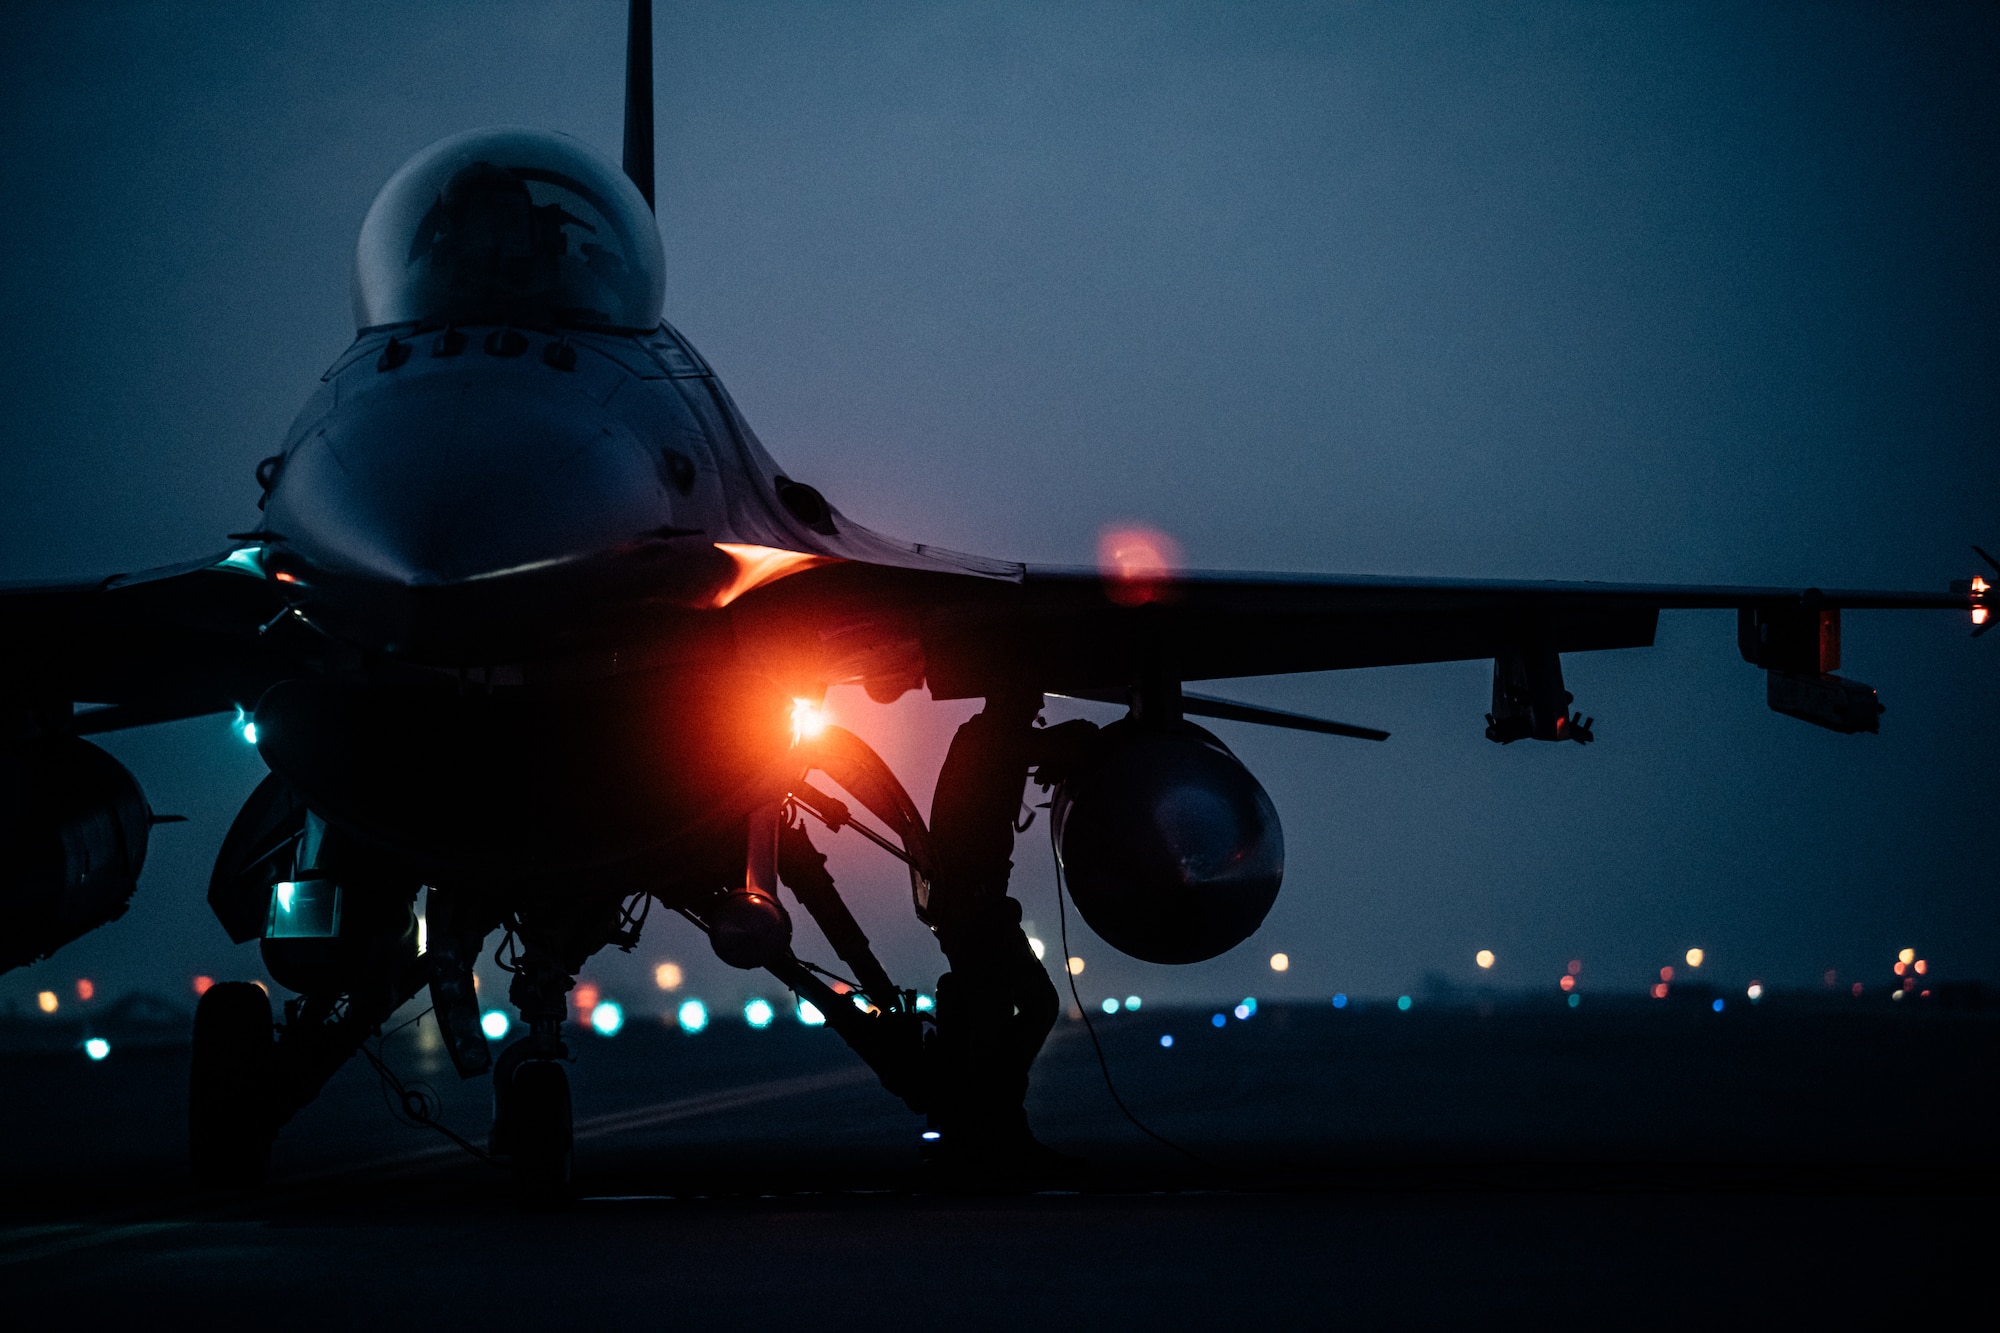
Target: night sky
[(1671, 293)]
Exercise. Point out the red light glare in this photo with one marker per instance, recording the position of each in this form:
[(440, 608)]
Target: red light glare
[(85, 988), (1856, 989), (586, 999), (1659, 990), (285, 576), (759, 565), (1138, 564), (1921, 966), (1979, 614), (1567, 982), (1979, 583), (1666, 974), (808, 720), (1902, 968), (201, 985), (1575, 967)]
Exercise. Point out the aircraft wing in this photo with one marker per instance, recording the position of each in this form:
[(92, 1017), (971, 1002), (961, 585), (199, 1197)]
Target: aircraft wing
[(1077, 632), (1068, 629), (152, 646)]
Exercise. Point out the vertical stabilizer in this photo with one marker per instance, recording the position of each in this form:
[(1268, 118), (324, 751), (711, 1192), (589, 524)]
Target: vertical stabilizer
[(639, 97)]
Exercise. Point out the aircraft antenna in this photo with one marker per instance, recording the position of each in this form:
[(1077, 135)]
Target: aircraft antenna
[(639, 97)]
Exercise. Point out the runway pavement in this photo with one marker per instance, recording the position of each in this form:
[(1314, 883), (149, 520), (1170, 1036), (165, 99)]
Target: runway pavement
[(1616, 1164)]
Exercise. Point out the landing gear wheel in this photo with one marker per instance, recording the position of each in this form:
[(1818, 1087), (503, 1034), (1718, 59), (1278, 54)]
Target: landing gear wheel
[(541, 1135), (230, 1087)]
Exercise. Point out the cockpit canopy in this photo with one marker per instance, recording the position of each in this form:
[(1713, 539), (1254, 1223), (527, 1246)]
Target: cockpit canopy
[(509, 226)]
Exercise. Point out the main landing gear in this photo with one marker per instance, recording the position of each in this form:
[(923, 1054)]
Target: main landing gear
[(230, 1085)]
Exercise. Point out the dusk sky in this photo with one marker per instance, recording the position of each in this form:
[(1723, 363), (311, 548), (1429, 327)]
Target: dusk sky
[(1650, 293)]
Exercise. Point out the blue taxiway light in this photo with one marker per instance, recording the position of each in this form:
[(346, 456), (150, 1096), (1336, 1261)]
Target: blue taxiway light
[(1167, 1040), (607, 1016), (1220, 1020), (1340, 1001), (1717, 1006), (692, 1016), (1403, 1003), (97, 1048), (759, 1013), (1575, 1000), (1110, 1005)]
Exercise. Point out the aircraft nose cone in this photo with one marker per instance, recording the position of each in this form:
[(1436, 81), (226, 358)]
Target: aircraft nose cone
[(446, 481)]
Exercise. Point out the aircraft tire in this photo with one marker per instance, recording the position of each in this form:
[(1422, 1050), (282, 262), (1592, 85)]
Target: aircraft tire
[(541, 1135), (230, 1087)]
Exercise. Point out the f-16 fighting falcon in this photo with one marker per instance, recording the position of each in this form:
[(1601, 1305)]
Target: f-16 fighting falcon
[(530, 625)]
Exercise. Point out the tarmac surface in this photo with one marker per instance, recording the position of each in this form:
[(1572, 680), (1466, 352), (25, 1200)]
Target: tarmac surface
[(1618, 1164)]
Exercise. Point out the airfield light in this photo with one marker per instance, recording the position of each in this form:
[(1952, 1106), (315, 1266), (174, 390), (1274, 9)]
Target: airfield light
[(1694, 957), (1659, 990), (1855, 990), (931, 1136), (607, 1016), (1831, 977), (1167, 1040), (667, 976), (1279, 962), (1907, 956), (85, 987), (46, 1000), (1076, 967), (495, 1024), (1921, 966), (1243, 1011), (808, 720), (1666, 974), (1484, 958), (1219, 1020), (759, 1013), (586, 999), (692, 1016), (1039, 948), (1902, 968), (810, 1015), (1566, 981), (1756, 991), (1575, 968), (1717, 1006), (1979, 583), (1340, 1001), (1110, 1005), (97, 1048), (1575, 1000), (201, 985), (1979, 614), (1403, 1003), (925, 1004), (1132, 1003)]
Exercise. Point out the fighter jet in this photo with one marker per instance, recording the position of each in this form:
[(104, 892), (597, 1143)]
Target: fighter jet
[(532, 627)]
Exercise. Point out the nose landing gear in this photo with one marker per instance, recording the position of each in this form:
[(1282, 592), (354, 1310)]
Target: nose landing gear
[(533, 1127)]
